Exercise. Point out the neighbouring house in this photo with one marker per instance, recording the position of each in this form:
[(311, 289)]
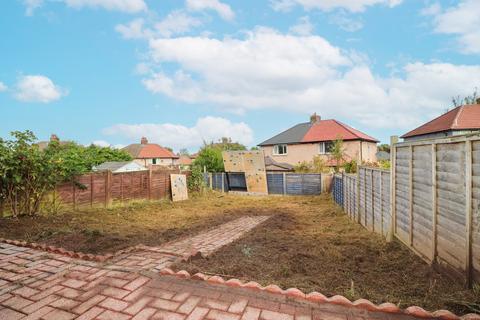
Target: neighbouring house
[(119, 166), (304, 141), (461, 120), (147, 154), (275, 166), (185, 162)]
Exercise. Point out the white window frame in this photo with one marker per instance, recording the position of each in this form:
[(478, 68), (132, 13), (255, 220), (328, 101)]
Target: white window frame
[(276, 148), (322, 146)]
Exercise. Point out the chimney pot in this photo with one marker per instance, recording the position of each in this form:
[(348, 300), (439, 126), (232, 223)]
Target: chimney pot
[(144, 140), (314, 118)]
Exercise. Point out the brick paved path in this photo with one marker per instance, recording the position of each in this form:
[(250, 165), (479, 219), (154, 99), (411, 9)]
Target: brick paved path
[(39, 285), (157, 258)]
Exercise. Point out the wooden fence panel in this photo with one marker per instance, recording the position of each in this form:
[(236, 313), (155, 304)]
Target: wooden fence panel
[(436, 201), (361, 197), (422, 221), (475, 239), (451, 204), (402, 194), (386, 216), (377, 201), (368, 199)]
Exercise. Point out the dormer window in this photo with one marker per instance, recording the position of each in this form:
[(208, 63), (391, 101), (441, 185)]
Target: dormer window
[(280, 149)]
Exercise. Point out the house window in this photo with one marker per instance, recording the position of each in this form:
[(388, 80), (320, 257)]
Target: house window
[(280, 149), (154, 161), (325, 147)]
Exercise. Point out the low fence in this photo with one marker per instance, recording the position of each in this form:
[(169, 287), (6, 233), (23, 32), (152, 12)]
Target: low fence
[(106, 188), (429, 200), (277, 183)]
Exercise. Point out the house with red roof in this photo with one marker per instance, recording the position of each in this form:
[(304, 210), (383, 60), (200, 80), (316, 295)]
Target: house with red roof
[(461, 120), (304, 141), (147, 154)]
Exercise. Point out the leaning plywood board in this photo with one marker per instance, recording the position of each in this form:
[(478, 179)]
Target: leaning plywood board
[(255, 174), (179, 187), (252, 163), (233, 161)]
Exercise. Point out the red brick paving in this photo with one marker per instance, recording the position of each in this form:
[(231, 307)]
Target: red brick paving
[(39, 285)]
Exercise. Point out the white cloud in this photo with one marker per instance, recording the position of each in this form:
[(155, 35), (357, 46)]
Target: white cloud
[(346, 22), (175, 23), (134, 29), (269, 70), (303, 27), (462, 20), (37, 88), (179, 136), (328, 5), (3, 87), (31, 6), (223, 10), (128, 6)]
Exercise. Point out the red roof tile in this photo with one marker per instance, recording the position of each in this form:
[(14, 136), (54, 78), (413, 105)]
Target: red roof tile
[(150, 150), (185, 160), (461, 118), (328, 130)]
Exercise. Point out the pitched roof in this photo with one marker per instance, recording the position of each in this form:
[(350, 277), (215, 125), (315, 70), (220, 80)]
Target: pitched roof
[(185, 160), (293, 135), (149, 150), (322, 130), (328, 130), (461, 118), (115, 165)]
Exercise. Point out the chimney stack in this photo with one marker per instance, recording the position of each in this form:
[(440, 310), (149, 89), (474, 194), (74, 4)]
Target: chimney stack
[(54, 137), (144, 140), (314, 118)]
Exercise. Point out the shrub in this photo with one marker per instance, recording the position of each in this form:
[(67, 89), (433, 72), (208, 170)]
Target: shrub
[(195, 181), (350, 166)]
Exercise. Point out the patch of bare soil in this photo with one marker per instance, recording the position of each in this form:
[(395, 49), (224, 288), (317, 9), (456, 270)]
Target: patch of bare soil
[(108, 230), (312, 245)]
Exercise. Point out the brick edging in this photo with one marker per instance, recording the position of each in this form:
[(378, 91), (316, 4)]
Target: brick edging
[(319, 298), (67, 253)]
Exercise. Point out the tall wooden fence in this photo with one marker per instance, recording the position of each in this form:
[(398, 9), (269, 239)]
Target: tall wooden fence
[(365, 198), (429, 200)]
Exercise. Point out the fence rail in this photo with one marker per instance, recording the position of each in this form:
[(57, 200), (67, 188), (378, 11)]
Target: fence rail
[(429, 200)]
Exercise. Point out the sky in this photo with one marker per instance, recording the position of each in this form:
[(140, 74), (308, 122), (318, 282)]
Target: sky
[(181, 72)]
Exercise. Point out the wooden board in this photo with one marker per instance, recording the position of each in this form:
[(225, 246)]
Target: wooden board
[(179, 187), (252, 163)]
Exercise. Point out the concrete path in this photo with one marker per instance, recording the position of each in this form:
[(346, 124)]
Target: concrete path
[(35, 284)]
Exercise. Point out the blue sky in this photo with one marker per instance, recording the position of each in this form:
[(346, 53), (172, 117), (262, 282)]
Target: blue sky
[(180, 72)]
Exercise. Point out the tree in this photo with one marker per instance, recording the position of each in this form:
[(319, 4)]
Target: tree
[(226, 144), (384, 147), (474, 98), (184, 152), (27, 173), (210, 155), (337, 153)]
